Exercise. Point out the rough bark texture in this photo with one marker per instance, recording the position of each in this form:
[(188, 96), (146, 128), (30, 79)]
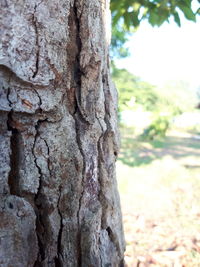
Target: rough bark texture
[(59, 204)]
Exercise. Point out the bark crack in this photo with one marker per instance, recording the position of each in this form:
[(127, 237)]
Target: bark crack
[(8, 98), (74, 51), (13, 177), (35, 157), (58, 260), (35, 24), (48, 153), (39, 222), (77, 66), (82, 192), (19, 79), (39, 97)]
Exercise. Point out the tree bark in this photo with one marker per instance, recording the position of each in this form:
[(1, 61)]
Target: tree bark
[(59, 203)]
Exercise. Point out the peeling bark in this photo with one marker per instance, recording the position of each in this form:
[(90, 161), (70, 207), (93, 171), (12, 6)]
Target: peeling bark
[(58, 137)]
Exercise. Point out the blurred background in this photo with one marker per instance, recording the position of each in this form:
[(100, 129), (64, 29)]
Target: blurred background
[(156, 72)]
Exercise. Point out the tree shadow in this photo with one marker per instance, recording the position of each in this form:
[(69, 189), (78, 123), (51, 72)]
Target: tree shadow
[(135, 152)]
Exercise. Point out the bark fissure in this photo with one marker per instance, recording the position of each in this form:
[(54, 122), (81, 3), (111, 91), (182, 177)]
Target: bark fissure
[(78, 115), (48, 155), (35, 24), (13, 177), (81, 194), (39, 110), (39, 219), (37, 126), (77, 66), (41, 252), (20, 80), (8, 97), (58, 261)]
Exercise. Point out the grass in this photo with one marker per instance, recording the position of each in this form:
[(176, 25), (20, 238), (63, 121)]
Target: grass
[(135, 152), (159, 184)]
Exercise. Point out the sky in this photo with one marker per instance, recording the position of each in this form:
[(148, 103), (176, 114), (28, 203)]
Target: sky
[(168, 53)]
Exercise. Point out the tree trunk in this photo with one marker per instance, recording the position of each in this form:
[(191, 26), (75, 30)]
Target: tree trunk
[(59, 202)]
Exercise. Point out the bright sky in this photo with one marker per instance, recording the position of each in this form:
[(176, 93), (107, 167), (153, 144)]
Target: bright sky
[(166, 53)]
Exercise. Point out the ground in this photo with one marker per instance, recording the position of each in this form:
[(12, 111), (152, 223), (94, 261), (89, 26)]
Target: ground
[(159, 183)]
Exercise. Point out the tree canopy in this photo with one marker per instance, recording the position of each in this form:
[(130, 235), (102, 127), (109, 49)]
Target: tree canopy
[(132, 12), (128, 14)]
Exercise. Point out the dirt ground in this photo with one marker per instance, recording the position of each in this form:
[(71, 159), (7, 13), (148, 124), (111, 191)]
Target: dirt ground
[(159, 186)]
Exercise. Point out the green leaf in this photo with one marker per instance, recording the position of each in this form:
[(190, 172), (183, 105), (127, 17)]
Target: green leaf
[(153, 18), (158, 16), (198, 11), (117, 16), (127, 19), (177, 18), (128, 14), (187, 11)]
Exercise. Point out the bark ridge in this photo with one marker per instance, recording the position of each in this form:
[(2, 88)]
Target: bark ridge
[(59, 139)]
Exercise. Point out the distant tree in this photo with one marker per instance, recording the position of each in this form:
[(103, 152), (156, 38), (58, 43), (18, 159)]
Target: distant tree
[(130, 86)]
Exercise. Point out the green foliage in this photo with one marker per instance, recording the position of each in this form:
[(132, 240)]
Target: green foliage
[(172, 98), (133, 91), (119, 38), (154, 11), (163, 103), (157, 128), (178, 97), (128, 14)]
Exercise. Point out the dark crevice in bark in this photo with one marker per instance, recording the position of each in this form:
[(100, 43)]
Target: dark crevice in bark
[(8, 98), (112, 238), (38, 207), (74, 51), (77, 73), (79, 256), (15, 146), (77, 68), (122, 263), (106, 102), (58, 260), (48, 153), (35, 157), (15, 142), (109, 231), (39, 110), (41, 253), (35, 24)]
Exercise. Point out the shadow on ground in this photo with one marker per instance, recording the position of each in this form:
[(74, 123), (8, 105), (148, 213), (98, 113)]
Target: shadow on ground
[(135, 152)]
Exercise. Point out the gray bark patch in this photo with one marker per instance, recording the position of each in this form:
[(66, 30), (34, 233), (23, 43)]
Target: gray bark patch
[(58, 137)]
